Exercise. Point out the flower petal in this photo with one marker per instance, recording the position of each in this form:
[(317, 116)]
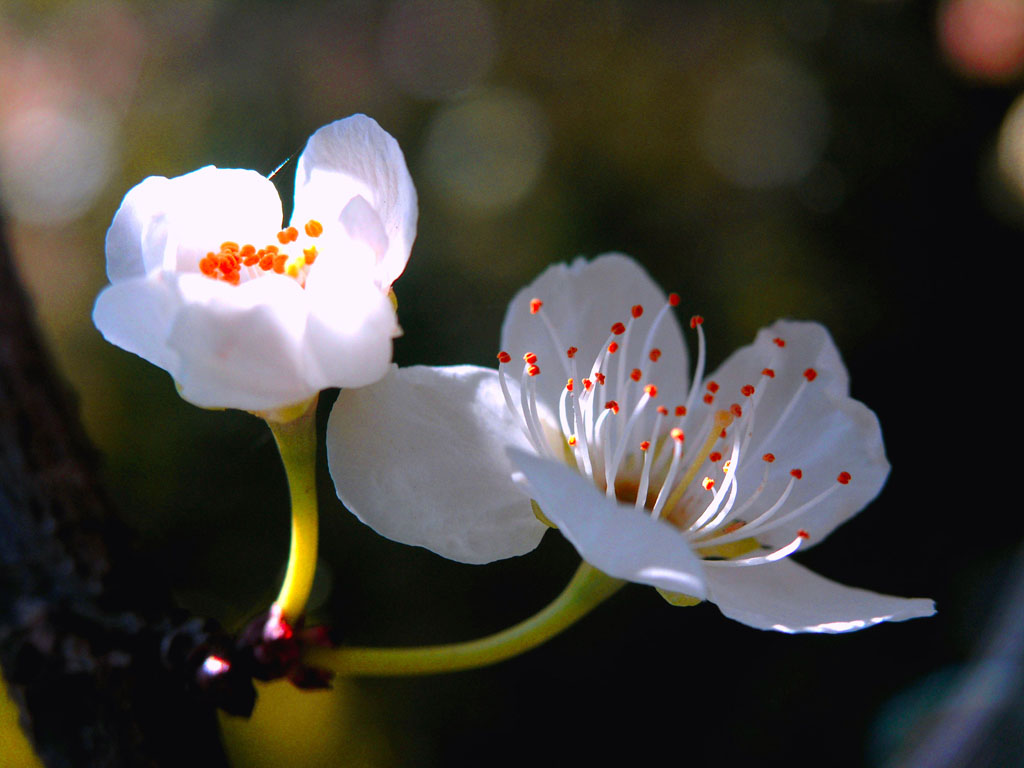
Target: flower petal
[(350, 326), (582, 300), (419, 458), (213, 205), (787, 597), (138, 234), (613, 538), (137, 315), (240, 346), (356, 157), (822, 431)]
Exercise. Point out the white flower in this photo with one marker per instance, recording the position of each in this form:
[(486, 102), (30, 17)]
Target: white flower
[(207, 285), (703, 490)]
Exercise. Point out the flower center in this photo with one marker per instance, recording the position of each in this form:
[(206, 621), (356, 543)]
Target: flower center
[(234, 263), (678, 463)]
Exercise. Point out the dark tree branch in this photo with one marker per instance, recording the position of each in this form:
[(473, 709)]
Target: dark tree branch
[(100, 661)]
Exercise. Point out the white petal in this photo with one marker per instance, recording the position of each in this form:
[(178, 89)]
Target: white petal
[(137, 236), (364, 225), (241, 346), (351, 157), (350, 327), (583, 300), (613, 538), (213, 205), (825, 432), (419, 457), (137, 315), (787, 597)]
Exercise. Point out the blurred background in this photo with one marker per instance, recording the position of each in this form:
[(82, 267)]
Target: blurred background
[(857, 162)]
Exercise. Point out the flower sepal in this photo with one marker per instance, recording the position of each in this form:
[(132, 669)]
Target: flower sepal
[(679, 599)]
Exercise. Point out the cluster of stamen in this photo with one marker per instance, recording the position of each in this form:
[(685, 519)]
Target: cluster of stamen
[(233, 261), (695, 489)]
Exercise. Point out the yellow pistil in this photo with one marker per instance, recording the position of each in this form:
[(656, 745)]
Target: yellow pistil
[(722, 420)]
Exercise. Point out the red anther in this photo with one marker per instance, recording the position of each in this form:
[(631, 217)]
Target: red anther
[(247, 250), (734, 526), (810, 374), (768, 457), (673, 299), (599, 376), (735, 410), (529, 358), (651, 391), (680, 410), (662, 410), (293, 234), (504, 357), (635, 374), (796, 473), (572, 441), (568, 385), (654, 355), (612, 406), (677, 434), (282, 237), (645, 445), (712, 387), (251, 260), (844, 477), (613, 348), (747, 390), (803, 534), (709, 398), (618, 329), (778, 342), (571, 352), (208, 265), (310, 254), (535, 305), (637, 310), (696, 320), (587, 384), (267, 261), (722, 434), (715, 456), (708, 483), (768, 372), (533, 370), (314, 228), (279, 262)]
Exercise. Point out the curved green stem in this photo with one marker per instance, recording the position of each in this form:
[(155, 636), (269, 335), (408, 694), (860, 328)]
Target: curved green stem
[(296, 442), (588, 588)]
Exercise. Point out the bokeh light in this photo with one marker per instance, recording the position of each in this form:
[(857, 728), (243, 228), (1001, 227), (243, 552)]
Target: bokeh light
[(765, 124), (434, 50), (983, 38), (485, 153)]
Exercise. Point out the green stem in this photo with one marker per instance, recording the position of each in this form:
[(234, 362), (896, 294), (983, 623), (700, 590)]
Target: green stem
[(296, 442), (588, 588)]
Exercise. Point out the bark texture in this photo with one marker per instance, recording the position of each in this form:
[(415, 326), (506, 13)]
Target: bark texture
[(100, 661)]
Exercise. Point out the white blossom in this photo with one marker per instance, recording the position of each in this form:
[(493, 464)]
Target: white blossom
[(702, 487), (205, 282)]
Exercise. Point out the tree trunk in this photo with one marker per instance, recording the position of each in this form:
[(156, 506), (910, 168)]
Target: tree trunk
[(100, 661)]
